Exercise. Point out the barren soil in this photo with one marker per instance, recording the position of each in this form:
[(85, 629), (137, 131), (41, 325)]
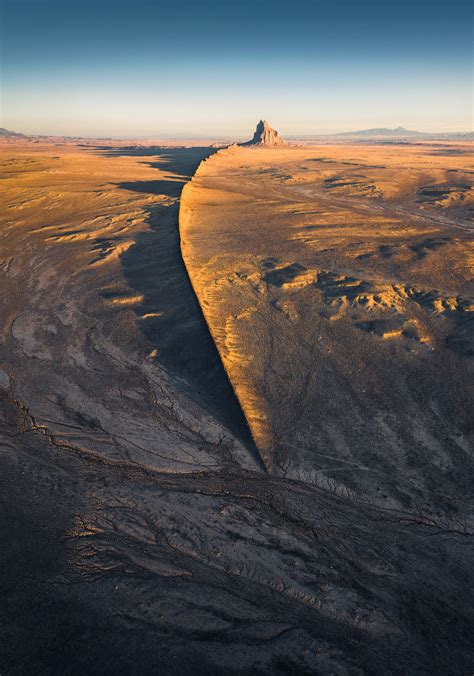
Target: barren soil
[(317, 520)]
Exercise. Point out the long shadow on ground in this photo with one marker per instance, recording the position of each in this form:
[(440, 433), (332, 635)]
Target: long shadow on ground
[(170, 316), (183, 161)]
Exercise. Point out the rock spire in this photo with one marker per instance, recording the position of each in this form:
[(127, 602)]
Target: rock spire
[(265, 136)]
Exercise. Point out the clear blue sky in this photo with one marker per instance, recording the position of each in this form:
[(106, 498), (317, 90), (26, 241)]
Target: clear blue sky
[(214, 67)]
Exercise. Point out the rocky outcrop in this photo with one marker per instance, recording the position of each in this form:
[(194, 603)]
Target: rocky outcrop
[(265, 136)]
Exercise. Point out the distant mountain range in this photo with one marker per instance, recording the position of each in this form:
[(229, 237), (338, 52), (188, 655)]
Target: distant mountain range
[(7, 132), (398, 134), (383, 131), (387, 135)]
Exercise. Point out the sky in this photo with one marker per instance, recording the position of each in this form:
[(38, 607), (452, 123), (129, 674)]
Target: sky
[(215, 67)]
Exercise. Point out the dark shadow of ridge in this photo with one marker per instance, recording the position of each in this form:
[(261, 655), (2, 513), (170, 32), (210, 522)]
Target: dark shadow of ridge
[(181, 160), (170, 316)]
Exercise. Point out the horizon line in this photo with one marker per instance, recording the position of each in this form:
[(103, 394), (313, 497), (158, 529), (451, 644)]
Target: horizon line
[(225, 136)]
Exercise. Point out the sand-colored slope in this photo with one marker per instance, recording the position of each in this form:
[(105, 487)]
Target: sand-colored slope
[(101, 333), (138, 533), (336, 282)]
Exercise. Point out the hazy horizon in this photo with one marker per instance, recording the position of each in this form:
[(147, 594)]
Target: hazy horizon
[(209, 69)]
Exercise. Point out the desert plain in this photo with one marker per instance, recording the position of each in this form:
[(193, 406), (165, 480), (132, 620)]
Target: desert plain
[(236, 408)]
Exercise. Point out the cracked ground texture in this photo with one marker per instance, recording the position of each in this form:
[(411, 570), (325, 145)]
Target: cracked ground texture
[(146, 526)]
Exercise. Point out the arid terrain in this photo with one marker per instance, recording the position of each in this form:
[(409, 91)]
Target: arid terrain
[(337, 283), (236, 422)]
